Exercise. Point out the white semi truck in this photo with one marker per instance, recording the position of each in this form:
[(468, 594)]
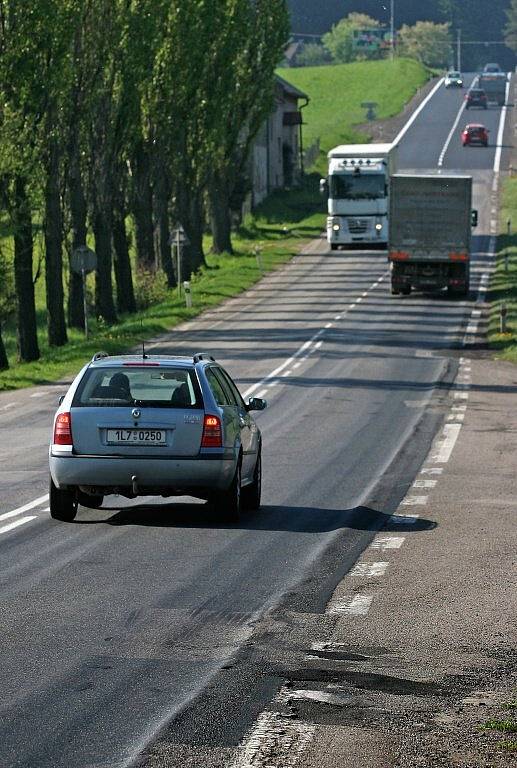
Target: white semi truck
[(358, 186)]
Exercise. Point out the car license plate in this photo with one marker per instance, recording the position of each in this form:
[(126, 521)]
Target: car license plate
[(123, 436)]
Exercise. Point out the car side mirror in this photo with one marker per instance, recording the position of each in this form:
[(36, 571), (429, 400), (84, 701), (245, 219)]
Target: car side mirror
[(60, 399), (474, 218), (324, 187), (256, 404)]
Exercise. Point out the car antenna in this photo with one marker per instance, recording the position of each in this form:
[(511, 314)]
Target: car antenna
[(144, 356)]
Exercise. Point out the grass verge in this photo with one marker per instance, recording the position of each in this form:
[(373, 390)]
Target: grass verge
[(503, 286), (276, 232), (336, 93)]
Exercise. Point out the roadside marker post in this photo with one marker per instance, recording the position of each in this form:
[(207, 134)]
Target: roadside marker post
[(188, 294), (503, 314), (258, 255)]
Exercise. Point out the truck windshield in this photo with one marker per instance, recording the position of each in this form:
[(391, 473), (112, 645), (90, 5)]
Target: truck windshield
[(357, 186)]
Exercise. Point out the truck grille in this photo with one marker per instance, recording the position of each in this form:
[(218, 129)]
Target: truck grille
[(357, 226)]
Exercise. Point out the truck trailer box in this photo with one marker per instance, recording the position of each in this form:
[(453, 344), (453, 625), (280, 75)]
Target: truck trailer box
[(430, 231)]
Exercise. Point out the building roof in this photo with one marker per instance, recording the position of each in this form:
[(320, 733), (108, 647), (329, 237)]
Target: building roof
[(290, 89)]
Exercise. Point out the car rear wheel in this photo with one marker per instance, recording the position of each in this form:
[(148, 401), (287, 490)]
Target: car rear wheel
[(227, 504), (63, 504), (251, 493)]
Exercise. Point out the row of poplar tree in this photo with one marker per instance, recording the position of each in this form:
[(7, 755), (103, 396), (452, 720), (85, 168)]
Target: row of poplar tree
[(118, 115)]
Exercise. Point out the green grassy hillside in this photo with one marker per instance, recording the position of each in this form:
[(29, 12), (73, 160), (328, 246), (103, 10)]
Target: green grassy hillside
[(336, 93)]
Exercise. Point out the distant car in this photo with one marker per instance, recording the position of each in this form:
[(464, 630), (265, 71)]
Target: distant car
[(453, 79), (155, 426), (492, 68), (474, 133), (476, 97)]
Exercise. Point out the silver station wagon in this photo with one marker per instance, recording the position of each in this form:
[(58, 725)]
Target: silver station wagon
[(155, 426)]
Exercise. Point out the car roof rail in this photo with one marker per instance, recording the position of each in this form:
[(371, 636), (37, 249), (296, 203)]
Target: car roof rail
[(203, 356), (99, 356)]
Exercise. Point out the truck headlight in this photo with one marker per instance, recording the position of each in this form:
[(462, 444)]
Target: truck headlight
[(336, 227), (378, 227)]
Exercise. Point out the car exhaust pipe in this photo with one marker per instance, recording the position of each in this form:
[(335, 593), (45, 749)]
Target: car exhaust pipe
[(134, 484)]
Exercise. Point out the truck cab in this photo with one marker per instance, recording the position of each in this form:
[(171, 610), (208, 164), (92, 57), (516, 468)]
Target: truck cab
[(358, 194)]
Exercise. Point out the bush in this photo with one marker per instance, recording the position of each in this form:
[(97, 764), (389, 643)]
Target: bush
[(150, 288), (313, 55)]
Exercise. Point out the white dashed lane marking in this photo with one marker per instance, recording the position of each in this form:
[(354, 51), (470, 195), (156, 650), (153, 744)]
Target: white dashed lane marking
[(370, 570), (14, 513), (444, 447), (17, 523), (359, 605), (414, 501), (387, 542)]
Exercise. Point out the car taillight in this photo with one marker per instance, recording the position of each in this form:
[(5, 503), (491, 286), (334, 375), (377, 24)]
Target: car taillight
[(212, 432), (63, 429)]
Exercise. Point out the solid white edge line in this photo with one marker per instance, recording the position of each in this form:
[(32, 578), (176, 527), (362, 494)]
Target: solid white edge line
[(416, 113), (500, 133), (25, 508), (17, 523)]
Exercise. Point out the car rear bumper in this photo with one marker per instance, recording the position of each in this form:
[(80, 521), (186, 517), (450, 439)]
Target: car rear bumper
[(115, 475)]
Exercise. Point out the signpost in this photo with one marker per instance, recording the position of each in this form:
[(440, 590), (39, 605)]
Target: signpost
[(180, 239), (370, 109), (84, 260)]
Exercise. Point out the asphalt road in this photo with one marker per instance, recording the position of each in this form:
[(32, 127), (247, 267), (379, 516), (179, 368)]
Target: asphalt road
[(136, 622)]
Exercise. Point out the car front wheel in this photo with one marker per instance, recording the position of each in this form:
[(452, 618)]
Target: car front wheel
[(251, 493), (63, 504)]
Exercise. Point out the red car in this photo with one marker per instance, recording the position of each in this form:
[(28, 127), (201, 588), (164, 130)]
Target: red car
[(474, 133)]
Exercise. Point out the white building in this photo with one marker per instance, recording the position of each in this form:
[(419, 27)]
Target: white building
[(276, 157)]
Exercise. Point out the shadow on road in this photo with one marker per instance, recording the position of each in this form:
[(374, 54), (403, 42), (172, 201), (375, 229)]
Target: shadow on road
[(269, 518)]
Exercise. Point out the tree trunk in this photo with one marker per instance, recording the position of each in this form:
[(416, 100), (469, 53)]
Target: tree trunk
[(104, 304), (57, 335), (123, 275), (220, 215), (78, 212), (162, 195), (191, 212), (4, 362), (143, 208), (28, 348)]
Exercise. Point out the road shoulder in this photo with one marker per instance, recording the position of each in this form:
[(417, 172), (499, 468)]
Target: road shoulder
[(425, 684)]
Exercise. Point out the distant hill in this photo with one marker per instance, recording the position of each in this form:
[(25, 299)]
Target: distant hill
[(337, 91), (478, 19)]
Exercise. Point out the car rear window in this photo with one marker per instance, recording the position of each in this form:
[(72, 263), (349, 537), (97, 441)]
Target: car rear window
[(146, 386)]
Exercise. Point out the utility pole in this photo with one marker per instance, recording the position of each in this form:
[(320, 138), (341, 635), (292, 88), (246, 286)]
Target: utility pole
[(458, 51), (392, 29)]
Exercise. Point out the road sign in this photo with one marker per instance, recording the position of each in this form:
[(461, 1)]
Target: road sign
[(179, 236), (83, 260), (370, 109)]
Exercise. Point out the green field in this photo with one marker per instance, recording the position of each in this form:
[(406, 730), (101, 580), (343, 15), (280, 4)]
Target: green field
[(336, 93), (503, 286)]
